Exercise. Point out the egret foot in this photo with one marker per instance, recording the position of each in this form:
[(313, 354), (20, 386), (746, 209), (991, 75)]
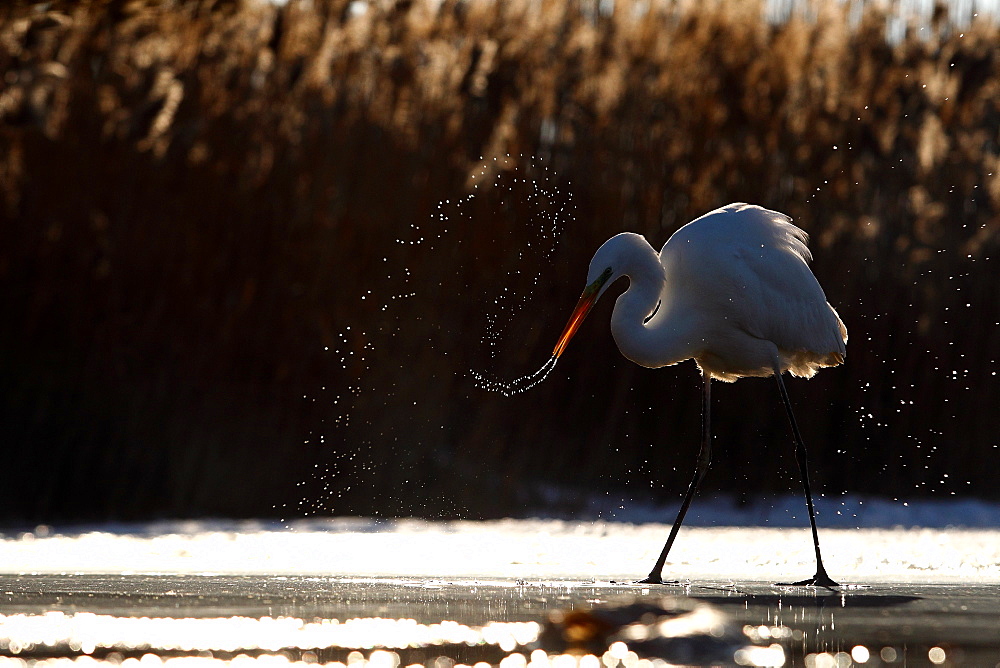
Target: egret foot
[(821, 579), (654, 579), (649, 581)]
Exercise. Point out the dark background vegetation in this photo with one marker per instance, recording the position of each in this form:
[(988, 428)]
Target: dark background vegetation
[(195, 197)]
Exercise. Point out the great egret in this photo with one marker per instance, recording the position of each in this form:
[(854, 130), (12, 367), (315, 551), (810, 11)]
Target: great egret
[(731, 290)]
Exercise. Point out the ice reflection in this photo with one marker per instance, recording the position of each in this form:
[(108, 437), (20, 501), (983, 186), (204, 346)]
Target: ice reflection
[(888, 654), (649, 633), (636, 635), (87, 632)]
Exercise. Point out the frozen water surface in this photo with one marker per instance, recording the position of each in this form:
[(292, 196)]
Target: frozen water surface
[(339, 590), (511, 549)]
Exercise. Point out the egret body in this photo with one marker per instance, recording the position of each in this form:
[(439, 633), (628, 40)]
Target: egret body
[(733, 291)]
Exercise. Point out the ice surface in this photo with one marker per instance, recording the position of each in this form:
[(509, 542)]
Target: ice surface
[(317, 588), (516, 549)]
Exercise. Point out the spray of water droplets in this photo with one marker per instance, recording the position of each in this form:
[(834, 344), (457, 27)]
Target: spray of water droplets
[(400, 339), (349, 356), (518, 385), (550, 208)]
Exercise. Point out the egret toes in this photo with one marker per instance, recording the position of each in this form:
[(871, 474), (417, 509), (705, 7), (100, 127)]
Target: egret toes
[(818, 580), (659, 581)]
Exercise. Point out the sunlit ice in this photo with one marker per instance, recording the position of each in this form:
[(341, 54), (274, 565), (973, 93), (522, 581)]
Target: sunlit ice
[(594, 551)]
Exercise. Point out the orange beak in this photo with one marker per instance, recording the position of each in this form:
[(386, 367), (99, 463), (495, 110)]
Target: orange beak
[(587, 301)]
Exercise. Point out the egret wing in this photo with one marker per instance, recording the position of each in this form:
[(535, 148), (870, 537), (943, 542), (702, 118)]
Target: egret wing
[(748, 268)]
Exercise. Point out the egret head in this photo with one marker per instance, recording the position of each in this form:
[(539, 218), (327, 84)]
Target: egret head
[(608, 264)]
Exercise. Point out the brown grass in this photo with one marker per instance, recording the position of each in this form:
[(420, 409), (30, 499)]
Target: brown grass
[(193, 197)]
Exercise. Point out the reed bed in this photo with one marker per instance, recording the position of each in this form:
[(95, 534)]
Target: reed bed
[(194, 197)]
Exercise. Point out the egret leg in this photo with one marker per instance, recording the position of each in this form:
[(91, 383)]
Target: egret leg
[(704, 461), (821, 579)]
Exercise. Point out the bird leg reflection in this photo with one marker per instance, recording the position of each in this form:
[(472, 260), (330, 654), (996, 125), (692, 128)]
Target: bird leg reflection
[(821, 579), (704, 461)]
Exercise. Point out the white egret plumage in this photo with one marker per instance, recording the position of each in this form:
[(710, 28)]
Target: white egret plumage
[(733, 291)]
